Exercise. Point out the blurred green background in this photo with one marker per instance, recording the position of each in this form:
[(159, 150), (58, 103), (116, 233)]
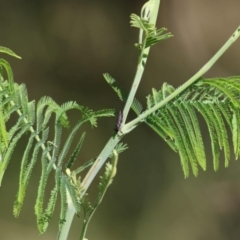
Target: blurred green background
[(65, 48)]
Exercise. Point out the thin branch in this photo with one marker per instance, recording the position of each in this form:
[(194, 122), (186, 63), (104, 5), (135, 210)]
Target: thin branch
[(129, 126)]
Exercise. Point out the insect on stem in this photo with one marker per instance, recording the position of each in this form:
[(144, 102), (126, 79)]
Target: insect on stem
[(119, 122)]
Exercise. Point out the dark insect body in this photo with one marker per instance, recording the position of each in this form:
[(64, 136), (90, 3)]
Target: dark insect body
[(119, 121)]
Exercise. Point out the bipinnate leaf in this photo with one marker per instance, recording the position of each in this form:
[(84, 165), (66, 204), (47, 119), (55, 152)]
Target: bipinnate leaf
[(217, 101)]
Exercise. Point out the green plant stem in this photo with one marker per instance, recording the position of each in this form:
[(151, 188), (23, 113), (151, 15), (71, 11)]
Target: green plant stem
[(129, 126), (132, 93), (101, 159), (101, 195), (84, 229), (107, 150), (63, 234), (151, 8)]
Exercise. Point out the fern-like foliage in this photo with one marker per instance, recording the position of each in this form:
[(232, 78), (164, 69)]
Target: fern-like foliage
[(217, 101), (33, 119), (152, 35)]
